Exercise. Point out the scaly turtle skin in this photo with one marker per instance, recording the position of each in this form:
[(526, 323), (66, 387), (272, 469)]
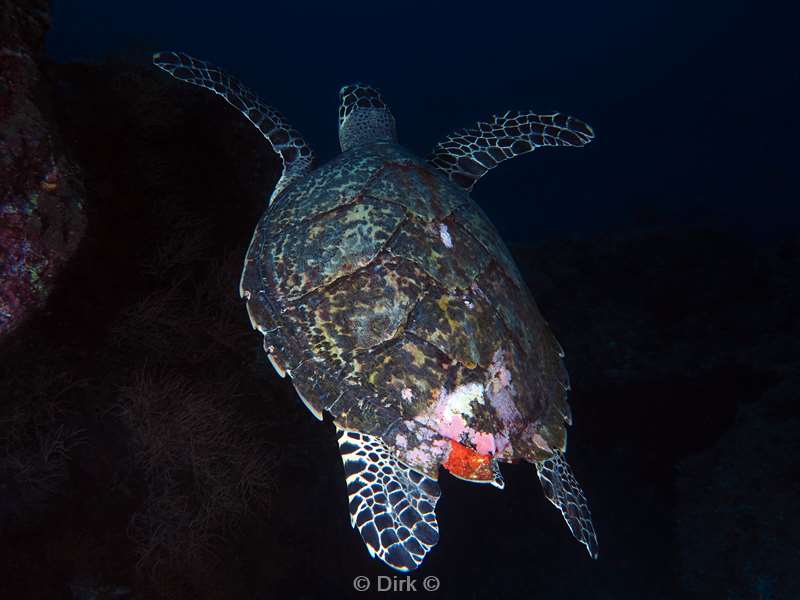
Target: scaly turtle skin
[(386, 295)]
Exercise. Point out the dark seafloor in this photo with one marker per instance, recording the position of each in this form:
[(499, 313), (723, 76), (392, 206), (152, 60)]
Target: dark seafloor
[(147, 449)]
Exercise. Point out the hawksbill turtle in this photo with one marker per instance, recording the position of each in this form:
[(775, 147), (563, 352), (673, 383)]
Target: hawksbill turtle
[(384, 292)]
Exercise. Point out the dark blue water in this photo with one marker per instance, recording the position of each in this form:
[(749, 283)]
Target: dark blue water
[(694, 104)]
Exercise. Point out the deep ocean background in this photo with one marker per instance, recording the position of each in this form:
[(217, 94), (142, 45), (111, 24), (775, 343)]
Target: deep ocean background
[(694, 103), (149, 451)]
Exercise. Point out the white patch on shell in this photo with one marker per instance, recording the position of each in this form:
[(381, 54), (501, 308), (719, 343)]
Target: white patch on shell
[(501, 442), (427, 456), (449, 416), (445, 235), (499, 373), (502, 393), (457, 402), (416, 446), (407, 394)]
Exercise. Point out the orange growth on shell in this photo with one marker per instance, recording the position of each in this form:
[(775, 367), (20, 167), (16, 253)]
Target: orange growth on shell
[(466, 463)]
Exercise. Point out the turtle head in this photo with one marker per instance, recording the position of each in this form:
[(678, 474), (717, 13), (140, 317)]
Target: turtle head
[(364, 117)]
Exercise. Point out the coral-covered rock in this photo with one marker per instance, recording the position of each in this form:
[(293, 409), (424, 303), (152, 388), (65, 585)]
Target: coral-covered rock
[(41, 195)]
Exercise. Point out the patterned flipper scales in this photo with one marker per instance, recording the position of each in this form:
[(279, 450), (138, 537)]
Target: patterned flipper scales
[(295, 153), (465, 156), (561, 488), (364, 117), (391, 505)]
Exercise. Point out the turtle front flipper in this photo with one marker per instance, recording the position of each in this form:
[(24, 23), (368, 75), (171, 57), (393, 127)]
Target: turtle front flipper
[(562, 489), (287, 142), (391, 505), (466, 155)]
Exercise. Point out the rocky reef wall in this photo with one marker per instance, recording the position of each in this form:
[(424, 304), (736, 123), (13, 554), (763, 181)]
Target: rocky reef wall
[(42, 216)]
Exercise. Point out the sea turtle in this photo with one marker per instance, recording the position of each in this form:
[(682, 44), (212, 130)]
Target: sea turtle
[(387, 296)]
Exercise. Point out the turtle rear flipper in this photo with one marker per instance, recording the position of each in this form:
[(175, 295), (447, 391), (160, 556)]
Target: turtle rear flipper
[(391, 505), (562, 489), (295, 153)]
